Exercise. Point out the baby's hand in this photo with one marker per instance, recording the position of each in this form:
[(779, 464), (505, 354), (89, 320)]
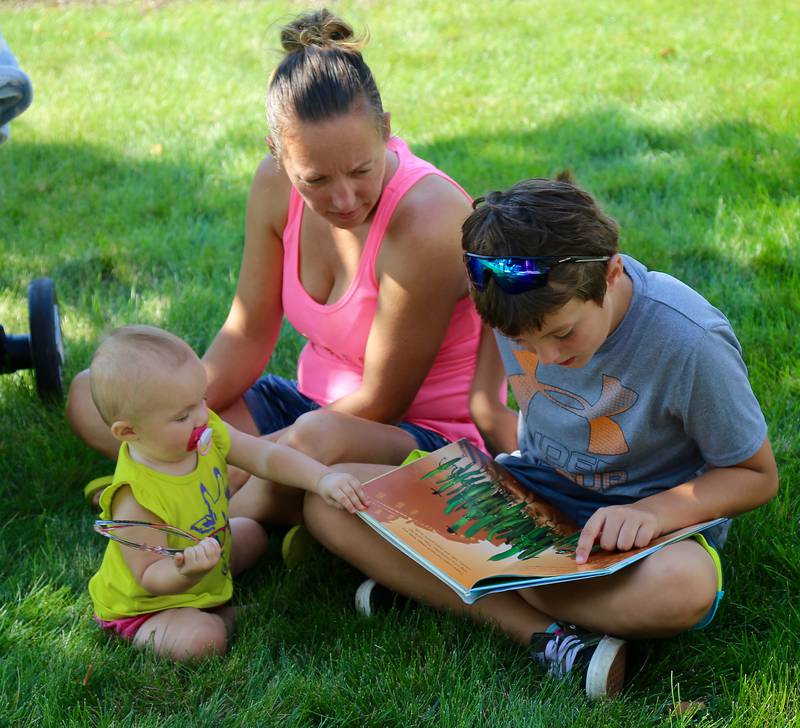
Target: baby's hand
[(342, 490), (199, 559)]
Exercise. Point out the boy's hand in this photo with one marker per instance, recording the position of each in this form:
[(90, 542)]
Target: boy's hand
[(342, 490), (617, 528), (199, 559)]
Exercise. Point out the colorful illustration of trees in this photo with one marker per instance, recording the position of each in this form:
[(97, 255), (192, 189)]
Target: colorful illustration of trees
[(482, 504)]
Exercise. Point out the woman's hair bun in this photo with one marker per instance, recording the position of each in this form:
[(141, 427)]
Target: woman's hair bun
[(319, 28), (322, 75)]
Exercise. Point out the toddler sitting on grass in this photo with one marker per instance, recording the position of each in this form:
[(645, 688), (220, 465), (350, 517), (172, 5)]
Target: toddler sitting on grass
[(150, 388)]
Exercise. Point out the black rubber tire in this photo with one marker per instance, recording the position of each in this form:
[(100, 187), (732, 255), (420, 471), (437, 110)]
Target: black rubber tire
[(47, 348)]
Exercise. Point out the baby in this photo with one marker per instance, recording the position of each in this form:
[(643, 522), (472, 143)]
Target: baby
[(150, 388)]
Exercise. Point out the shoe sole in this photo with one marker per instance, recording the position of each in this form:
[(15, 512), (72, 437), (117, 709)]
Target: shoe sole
[(605, 675), (363, 596)]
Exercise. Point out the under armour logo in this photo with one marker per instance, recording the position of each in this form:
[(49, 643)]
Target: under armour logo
[(605, 435)]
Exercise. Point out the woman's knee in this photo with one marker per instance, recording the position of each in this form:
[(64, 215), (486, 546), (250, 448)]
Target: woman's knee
[(79, 399), (249, 543), (315, 434), (84, 418)]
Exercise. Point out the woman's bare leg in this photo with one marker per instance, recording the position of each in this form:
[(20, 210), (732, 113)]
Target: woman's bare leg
[(353, 540), (238, 416), (327, 436), (249, 542), (666, 593), (85, 420)]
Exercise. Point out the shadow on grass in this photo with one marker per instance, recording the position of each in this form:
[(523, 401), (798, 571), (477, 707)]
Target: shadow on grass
[(125, 240), (684, 197), (713, 204), (161, 239), (735, 159), (95, 221)]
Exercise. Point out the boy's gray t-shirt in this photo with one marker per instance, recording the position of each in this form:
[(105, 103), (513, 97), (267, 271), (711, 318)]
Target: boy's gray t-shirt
[(666, 395)]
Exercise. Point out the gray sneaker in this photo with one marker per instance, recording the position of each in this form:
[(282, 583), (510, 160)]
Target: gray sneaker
[(599, 658)]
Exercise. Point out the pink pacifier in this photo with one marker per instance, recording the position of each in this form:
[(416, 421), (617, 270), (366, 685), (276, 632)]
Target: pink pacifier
[(200, 439)]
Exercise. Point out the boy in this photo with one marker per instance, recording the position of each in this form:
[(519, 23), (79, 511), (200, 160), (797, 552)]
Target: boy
[(150, 388), (636, 418)]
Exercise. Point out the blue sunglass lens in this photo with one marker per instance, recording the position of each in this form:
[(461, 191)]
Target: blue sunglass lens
[(522, 281), (476, 272), (512, 275)]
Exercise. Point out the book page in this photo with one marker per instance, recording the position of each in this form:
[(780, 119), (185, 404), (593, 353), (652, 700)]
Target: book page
[(466, 516)]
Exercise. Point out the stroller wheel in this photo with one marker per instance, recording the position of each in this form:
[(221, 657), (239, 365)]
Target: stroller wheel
[(47, 346)]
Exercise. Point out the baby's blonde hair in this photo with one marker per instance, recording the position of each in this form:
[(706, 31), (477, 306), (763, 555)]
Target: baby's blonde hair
[(125, 369)]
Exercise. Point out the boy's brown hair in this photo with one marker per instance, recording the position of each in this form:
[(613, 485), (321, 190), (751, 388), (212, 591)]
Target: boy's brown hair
[(532, 218)]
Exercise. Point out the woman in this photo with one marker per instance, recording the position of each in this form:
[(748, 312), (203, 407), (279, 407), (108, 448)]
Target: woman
[(357, 242)]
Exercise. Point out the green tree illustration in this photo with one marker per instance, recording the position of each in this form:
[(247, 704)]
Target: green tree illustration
[(482, 504)]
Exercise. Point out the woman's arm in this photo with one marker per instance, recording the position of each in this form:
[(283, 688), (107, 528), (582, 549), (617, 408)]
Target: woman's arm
[(421, 278), (244, 344), (496, 422)]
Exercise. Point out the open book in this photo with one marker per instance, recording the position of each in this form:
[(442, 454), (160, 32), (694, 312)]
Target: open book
[(464, 518)]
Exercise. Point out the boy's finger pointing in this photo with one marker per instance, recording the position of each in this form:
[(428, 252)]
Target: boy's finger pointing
[(588, 536)]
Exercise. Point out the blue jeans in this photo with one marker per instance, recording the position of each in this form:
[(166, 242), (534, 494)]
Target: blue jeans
[(16, 91), (275, 403)]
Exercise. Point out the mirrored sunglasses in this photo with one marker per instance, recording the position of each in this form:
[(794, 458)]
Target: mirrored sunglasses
[(517, 274)]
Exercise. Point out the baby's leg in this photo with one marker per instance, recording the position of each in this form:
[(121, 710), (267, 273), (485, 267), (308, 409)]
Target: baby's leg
[(330, 437), (188, 633), (184, 634)]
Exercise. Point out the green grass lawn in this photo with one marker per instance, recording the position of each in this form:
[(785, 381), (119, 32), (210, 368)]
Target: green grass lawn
[(126, 182)]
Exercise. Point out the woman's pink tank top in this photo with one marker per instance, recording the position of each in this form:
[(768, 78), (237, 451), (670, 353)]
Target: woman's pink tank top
[(331, 364)]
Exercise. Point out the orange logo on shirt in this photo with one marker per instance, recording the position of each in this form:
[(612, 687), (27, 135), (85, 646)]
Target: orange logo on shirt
[(605, 435)]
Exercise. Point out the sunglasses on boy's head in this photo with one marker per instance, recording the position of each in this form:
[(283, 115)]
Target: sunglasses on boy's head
[(517, 274)]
